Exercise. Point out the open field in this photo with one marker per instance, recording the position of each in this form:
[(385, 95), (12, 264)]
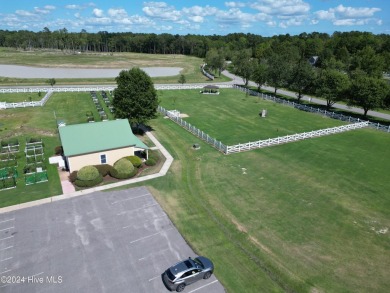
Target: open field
[(232, 117), (310, 216), (60, 59)]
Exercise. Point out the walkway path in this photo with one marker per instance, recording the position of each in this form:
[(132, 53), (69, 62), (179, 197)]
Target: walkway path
[(164, 169)]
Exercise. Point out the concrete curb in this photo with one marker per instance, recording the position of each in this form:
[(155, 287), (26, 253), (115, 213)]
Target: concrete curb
[(163, 171)]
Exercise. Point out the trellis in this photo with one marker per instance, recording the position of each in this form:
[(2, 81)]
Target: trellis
[(10, 146), (8, 177), (35, 169)]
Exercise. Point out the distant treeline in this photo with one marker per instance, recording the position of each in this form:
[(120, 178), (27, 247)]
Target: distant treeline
[(317, 44)]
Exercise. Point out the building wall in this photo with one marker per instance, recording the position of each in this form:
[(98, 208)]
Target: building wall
[(77, 162)]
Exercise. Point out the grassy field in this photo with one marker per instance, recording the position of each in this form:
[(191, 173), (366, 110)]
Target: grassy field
[(38, 58), (232, 117), (310, 216)]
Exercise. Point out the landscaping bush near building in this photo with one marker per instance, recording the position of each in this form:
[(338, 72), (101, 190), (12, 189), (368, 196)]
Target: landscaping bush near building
[(123, 169), (150, 162), (104, 169), (136, 161), (88, 176)]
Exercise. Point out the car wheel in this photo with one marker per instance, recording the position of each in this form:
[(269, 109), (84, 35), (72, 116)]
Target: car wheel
[(207, 275), (180, 287)]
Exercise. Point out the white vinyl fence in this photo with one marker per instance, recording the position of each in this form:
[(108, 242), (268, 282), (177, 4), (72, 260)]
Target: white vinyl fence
[(195, 131), (40, 103), (291, 138)]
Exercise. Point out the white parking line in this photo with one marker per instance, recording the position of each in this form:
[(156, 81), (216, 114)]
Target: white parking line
[(129, 226), (6, 229), (142, 208), (154, 234), (6, 259), (5, 272), (37, 274), (6, 248), (130, 198), (7, 220), (159, 276), (7, 237), (203, 286)]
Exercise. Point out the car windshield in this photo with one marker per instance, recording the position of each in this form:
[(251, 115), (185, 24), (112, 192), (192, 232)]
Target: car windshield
[(198, 262), (170, 275)]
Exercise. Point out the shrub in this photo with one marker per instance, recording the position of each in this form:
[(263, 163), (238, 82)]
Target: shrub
[(73, 176), (58, 150), (89, 183), (88, 173), (136, 161), (152, 154), (104, 169), (150, 162), (123, 169)]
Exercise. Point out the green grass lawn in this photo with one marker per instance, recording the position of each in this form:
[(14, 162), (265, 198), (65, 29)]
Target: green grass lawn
[(232, 117), (21, 97), (300, 217)]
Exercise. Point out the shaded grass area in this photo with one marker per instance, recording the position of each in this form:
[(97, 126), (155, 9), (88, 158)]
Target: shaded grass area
[(300, 217), (232, 117)]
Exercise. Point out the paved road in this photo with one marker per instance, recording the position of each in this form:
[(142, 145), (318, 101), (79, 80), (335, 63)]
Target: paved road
[(116, 241)]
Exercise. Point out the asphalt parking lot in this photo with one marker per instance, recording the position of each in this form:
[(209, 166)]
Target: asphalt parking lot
[(119, 241)]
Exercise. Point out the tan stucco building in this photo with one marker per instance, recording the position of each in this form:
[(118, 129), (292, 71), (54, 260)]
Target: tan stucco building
[(98, 143)]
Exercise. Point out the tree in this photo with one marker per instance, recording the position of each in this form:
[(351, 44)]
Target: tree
[(279, 71), (51, 81), (182, 79), (135, 97), (215, 60), (260, 74), (244, 65), (302, 78), (367, 92), (332, 86)]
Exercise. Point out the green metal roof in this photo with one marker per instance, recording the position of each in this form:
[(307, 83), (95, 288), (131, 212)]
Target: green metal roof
[(97, 136)]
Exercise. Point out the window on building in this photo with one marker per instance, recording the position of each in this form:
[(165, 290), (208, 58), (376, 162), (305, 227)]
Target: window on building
[(103, 159)]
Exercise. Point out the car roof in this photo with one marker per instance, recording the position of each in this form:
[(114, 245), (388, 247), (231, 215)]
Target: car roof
[(183, 266)]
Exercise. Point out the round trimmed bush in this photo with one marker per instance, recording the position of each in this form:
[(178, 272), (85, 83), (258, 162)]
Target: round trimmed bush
[(88, 173), (123, 169), (136, 161), (104, 169), (150, 162)]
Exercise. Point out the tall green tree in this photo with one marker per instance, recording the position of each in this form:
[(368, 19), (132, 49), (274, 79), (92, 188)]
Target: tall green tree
[(368, 93), (279, 71), (244, 65), (135, 97), (182, 79), (332, 85), (215, 60), (302, 78), (259, 75)]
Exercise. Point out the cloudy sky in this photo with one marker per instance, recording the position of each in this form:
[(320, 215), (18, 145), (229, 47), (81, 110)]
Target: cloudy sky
[(263, 17)]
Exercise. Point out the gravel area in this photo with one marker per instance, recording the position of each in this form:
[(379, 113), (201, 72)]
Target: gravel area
[(38, 72)]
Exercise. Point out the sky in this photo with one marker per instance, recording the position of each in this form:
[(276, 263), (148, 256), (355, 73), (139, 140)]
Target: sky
[(261, 17)]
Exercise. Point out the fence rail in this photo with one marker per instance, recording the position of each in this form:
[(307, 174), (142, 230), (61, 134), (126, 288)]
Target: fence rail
[(291, 138), (195, 131), (40, 103)]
